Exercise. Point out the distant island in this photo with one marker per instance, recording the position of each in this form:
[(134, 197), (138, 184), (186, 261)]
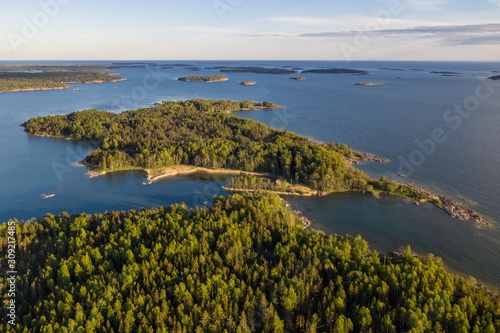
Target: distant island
[(202, 134), (256, 70), (297, 78), (248, 83), (22, 78), (496, 77), (204, 78), (445, 73), (336, 71), (369, 84)]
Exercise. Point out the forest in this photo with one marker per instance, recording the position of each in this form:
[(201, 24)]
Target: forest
[(245, 264), (203, 133)]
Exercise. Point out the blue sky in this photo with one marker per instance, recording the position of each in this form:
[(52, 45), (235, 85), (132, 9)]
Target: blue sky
[(250, 29)]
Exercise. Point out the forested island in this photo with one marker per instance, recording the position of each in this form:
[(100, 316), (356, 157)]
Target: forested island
[(248, 83), (445, 73), (202, 133), (256, 70), (336, 71), (20, 78), (204, 78), (243, 265)]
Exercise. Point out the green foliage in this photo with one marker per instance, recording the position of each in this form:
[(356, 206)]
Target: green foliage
[(245, 265), (201, 133)]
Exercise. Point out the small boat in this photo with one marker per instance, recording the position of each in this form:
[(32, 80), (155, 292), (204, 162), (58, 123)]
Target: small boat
[(149, 182), (76, 89), (47, 196)]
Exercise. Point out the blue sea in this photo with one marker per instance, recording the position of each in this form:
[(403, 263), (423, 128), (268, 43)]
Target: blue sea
[(440, 130)]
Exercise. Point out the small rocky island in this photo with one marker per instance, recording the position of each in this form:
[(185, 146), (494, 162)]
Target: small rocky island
[(369, 84), (298, 78), (495, 78), (248, 83), (204, 78)]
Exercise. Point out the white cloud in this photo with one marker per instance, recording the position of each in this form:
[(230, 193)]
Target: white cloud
[(304, 20), (427, 5), (350, 22), (495, 2), (479, 34)]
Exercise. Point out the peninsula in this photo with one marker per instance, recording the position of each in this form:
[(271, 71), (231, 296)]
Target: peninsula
[(203, 133), (22, 78)]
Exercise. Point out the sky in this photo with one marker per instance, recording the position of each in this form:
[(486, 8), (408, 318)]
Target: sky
[(446, 30)]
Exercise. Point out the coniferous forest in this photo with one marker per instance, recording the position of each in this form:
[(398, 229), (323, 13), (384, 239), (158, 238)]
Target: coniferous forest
[(243, 265), (202, 133)]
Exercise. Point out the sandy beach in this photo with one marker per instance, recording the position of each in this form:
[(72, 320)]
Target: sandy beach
[(177, 170)]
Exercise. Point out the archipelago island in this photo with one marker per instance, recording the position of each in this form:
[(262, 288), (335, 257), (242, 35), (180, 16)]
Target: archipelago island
[(184, 137), (204, 78)]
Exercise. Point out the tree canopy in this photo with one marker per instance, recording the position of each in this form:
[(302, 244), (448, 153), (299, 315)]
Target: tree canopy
[(202, 133), (244, 265)]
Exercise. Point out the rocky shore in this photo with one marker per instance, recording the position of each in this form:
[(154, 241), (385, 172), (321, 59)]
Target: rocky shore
[(248, 83), (306, 222), (452, 207), (372, 158)]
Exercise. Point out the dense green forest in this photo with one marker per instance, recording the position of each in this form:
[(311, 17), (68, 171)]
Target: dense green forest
[(199, 133), (244, 265), (45, 77), (202, 133)]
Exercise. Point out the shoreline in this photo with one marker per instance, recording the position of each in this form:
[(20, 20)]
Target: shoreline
[(177, 170), (312, 193), (454, 209), (33, 89), (20, 90), (182, 170)]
